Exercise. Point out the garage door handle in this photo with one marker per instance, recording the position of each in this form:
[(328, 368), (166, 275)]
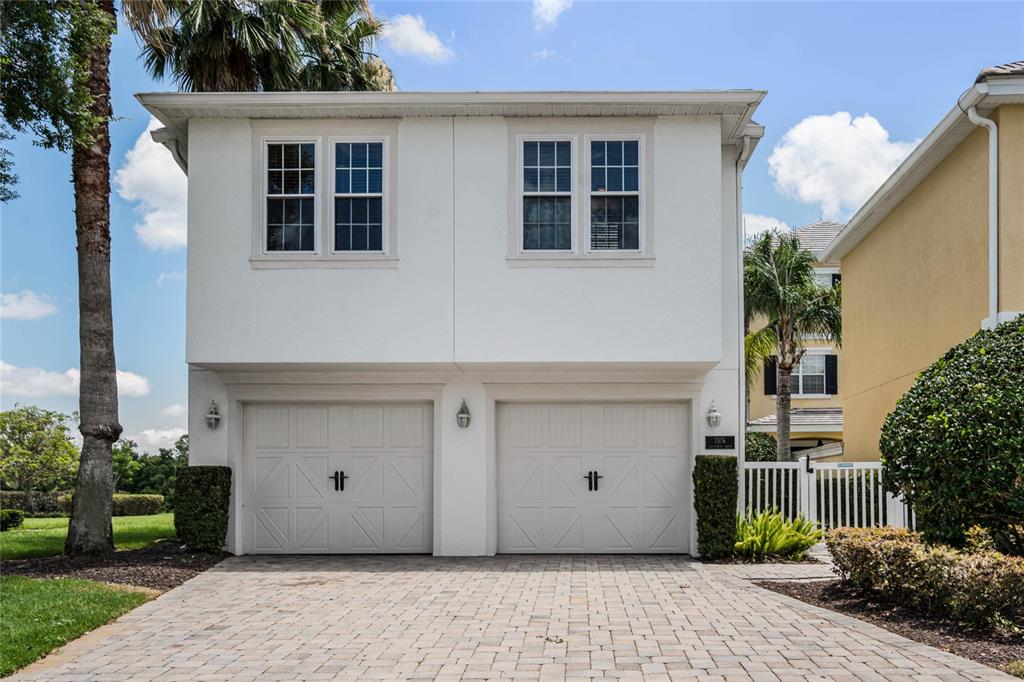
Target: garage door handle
[(597, 477), (336, 477), (590, 480), (342, 479)]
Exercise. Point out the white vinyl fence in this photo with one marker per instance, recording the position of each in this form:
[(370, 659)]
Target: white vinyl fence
[(833, 493)]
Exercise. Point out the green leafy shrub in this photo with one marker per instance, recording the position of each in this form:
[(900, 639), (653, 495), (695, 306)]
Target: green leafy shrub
[(124, 504), (201, 507), (760, 447), (767, 534), (715, 486), (954, 444), (983, 589), (44, 503), (11, 518)]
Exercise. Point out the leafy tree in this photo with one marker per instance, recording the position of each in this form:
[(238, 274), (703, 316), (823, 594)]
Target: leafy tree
[(36, 452), (158, 473), (55, 85), (126, 465), (244, 46), (778, 284)]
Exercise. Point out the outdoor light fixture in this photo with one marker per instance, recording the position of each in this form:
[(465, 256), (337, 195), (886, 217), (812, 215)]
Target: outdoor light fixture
[(462, 416), (213, 415), (714, 417)]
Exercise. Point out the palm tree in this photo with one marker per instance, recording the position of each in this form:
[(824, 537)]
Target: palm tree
[(778, 284), (245, 46)]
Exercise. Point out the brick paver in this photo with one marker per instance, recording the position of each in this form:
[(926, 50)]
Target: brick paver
[(528, 618)]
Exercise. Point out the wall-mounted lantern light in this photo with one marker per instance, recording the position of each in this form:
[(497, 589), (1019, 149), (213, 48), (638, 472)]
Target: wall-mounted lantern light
[(213, 415), (714, 417), (462, 417)]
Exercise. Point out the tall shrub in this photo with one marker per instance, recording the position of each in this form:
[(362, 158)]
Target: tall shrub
[(716, 490), (201, 507), (761, 447), (954, 444)]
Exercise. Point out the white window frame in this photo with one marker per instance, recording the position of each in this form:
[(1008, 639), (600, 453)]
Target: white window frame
[(822, 352), (573, 194), (265, 142), (825, 272), (385, 196), (640, 193)]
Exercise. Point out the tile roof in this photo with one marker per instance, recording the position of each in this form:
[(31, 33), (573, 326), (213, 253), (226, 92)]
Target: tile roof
[(806, 417), (816, 236), (1009, 69)]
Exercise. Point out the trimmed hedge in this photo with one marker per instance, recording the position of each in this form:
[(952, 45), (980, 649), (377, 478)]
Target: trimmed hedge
[(984, 588), (202, 506), (760, 447), (954, 443), (45, 502), (11, 518), (716, 490), (125, 504)]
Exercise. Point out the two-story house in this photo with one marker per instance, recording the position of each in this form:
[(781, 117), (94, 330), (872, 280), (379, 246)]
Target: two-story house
[(936, 253), (816, 417), (462, 323)]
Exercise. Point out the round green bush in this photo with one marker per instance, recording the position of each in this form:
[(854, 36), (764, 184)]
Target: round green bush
[(11, 518), (954, 444), (760, 447)]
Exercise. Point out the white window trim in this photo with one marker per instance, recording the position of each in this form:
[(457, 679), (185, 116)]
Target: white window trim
[(265, 141), (385, 197), (573, 195), (640, 194)]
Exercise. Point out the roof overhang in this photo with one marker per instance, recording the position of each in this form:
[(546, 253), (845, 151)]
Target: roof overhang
[(830, 427), (933, 149), (734, 108)]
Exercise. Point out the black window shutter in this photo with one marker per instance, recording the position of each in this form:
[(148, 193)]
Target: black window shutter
[(831, 375), (836, 279), (771, 377)]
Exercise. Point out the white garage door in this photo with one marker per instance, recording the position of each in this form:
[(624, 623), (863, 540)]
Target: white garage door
[(338, 478), (549, 502)]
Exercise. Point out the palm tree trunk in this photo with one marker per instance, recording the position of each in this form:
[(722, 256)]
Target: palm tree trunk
[(90, 530), (783, 400)]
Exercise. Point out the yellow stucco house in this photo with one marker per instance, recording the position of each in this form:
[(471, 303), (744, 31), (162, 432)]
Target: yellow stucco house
[(935, 254), (816, 418)]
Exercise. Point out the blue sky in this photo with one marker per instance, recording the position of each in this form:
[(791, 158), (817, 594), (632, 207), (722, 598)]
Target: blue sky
[(895, 68)]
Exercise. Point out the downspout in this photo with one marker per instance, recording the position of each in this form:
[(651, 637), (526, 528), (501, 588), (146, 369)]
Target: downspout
[(741, 437), (993, 214)]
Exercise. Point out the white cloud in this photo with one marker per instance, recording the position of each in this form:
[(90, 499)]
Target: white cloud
[(150, 177), (835, 161), (175, 410), (546, 12), (544, 53), (754, 224), (173, 276), (408, 34), (25, 305), (33, 382), (150, 440)]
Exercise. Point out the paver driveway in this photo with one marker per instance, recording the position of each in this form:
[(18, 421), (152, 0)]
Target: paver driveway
[(292, 618)]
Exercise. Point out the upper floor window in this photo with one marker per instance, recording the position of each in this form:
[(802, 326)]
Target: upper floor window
[(808, 377), (291, 197), (547, 195), (614, 195), (359, 196), (816, 375)]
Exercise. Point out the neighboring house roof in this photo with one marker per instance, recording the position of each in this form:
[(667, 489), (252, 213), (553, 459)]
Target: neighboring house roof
[(735, 108), (803, 420), (995, 85), (816, 236)]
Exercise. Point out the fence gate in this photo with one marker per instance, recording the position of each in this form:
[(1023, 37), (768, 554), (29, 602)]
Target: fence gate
[(831, 493)]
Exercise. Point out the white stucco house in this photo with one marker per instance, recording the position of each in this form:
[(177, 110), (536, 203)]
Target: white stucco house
[(462, 323)]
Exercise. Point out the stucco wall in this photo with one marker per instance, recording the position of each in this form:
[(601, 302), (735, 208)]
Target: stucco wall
[(917, 284), (1010, 119)]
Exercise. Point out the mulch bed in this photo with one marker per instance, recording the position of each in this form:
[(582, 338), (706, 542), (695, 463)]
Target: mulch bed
[(160, 566), (984, 646)]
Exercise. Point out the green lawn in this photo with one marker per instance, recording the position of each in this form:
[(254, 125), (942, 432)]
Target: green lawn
[(41, 615), (45, 537)]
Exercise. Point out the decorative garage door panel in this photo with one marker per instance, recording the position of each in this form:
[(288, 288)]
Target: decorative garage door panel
[(379, 501), (547, 503)]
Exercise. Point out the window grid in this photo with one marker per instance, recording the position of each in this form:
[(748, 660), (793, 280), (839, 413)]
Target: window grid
[(615, 195), (547, 195), (290, 197), (359, 196), (808, 376)]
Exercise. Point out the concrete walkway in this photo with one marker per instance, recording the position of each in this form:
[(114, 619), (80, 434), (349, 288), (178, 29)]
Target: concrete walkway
[(556, 617)]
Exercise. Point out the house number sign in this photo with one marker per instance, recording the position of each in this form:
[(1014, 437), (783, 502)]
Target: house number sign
[(719, 442)]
